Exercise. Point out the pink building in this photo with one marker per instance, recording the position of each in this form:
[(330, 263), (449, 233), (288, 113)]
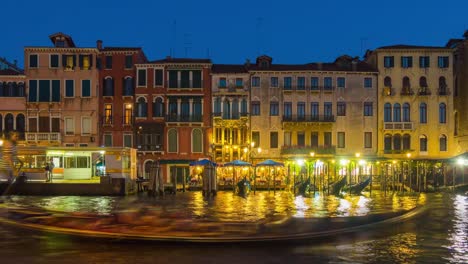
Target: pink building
[(62, 94), (12, 101)]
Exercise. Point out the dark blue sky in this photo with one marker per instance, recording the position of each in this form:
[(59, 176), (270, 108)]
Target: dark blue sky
[(291, 31)]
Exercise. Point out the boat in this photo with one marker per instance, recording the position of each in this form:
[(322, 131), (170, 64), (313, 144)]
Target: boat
[(358, 187), (243, 187), (335, 187)]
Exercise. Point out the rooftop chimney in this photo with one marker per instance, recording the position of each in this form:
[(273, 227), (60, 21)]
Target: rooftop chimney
[(99, 44)]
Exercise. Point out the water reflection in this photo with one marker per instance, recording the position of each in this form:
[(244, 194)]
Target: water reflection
[(459, 234)]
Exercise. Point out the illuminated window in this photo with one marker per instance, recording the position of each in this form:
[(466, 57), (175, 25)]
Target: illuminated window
[(70, 61), (127, 120), (443, 143), (108, 114)]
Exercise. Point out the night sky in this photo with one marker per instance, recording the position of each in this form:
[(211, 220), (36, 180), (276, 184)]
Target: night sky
[(290, 31)]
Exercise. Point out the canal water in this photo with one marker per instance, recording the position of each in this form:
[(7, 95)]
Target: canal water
[(440, 235)]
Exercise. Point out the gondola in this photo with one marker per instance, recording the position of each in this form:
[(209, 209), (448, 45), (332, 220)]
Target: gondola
[(302, 187), (358, 187), (335, 188)]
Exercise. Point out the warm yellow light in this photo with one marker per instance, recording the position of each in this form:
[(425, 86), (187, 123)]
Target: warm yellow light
[(461, 161), (358, 155), (362, 162), (344, 162), (252, 144), (408, 155), (259, 150), (300, 162), (312, 154), (1, 142), (246, 149)]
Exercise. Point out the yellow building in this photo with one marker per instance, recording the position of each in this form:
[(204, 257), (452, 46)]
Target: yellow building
[(415, 95)]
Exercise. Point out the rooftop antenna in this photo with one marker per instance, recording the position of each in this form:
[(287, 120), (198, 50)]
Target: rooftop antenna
[(187, 44), (259, 34), (174, 44)]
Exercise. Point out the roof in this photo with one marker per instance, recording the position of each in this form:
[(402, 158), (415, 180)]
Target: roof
[(68, 38), (229, 68), (11, 66), (120, 48), (181, 60), (402, 46), (10, 72)]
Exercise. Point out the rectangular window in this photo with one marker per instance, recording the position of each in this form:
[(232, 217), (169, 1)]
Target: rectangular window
[(341, 139), (55, 91), (69, 126), (287, 138), (424, 61), (341, 82), (341, 109), (274, 82), (328, 110), (273, 139), (184, 79), (107, 114), (173, 79), (368, 109), (108, 62), (107, 140), (69, 88), (32, 122), (197, 79), (367, 82), (301, 111), (158, 77), (256, 138), (287, 111), (69, 61), (86, 125), (423, 144), (44, 124), (443, 61), (287, 85), (406, 61), (274, 109), (222, 83), (32, 91), (127, 140), (239, 82), (301, 83), (327, 139), (142, 77), (328, 83), (128, 61), (44, 90), (255, 108), (54, 61), (55, 122), (33, 61), (85, 88), (300, 139), (314, 139), (388, 62), (85, 62), (314, 83), (255, 81), (367, 139), (314, 110)]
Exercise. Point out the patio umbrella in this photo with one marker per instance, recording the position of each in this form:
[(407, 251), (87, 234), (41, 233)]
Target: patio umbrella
[(270, 163), (203, 162), (237, 163)]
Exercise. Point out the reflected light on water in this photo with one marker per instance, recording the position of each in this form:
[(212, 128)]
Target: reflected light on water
[(300, 206), (459, 234)]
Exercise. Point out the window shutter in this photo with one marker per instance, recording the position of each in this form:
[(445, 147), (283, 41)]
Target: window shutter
[(90, 61), (64, 60), (74, 61), (80, 61), (55, 90)]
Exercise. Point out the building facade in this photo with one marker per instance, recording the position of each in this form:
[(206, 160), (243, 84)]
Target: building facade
[(12, 102), (62, 94)]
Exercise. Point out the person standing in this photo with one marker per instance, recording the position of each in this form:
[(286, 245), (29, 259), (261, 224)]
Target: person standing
[(51, 169)]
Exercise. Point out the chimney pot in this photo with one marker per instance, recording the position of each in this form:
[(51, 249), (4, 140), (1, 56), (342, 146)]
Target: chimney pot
[(99, 44)]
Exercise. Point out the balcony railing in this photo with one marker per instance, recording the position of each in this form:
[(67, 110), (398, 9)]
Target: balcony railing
[(398, 125), (184, 118), (424, 91), (406, 92), (388, 91), (396, 151), (443, 91), (43, 136), (306, 150), (308, 118), (150, 147)]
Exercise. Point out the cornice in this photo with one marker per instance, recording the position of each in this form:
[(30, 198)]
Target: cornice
[(61, 50)]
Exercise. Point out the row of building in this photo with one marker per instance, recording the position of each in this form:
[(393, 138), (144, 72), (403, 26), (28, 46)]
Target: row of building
[(397, 101)]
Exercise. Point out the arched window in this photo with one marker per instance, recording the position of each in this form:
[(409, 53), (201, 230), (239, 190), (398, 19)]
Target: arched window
[(244, 107), (158, 107), (396, 112), (173, 142), (197, 141), (406, 142), (9, 90), (217, 106), (226, 109), (423, 113), (442, 86), (423, 82), (387, 86), (2, 87), (442, 113), (1, 123), (406, 112), (128, 86), (20, 123), (443, 143), (406, 88), (388, 142), (423, 143), (388, 112), (9, 122), (396, 142), (142, 108), (235, 108), (20, 89), (108, 86)]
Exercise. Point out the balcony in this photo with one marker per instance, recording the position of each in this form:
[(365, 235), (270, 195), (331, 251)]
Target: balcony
[(443, 91), (406, 92), (396, 151), (184, 118), (388, 91), (398, 125), (308, 118), (306, 150), (43, 136), (424, 91), (150, 148)]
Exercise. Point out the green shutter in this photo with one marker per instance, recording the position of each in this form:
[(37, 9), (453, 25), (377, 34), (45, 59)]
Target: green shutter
[(85, 88), (55, 90), (197, 79), (69, 89), (32, 91), (44, 90)]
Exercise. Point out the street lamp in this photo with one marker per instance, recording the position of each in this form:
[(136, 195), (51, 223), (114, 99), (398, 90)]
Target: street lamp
[(462, 162)]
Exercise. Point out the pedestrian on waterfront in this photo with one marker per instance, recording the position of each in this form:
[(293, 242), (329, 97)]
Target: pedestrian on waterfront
[(10, 155), (46, 172), (51, 169)]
